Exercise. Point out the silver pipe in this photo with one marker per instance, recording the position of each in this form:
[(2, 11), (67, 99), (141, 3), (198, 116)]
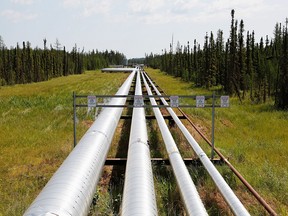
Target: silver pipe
[(117, 69), (230, 197), (190, 196), (71, 189), (139, 195)]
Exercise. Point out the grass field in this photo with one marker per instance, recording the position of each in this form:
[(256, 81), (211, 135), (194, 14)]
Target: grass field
[(36, 135)]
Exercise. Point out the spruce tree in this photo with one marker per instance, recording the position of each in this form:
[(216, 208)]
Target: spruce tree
[(282, 93)]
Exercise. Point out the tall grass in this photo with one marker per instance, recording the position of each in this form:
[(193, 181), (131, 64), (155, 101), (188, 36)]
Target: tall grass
[(36, 132)]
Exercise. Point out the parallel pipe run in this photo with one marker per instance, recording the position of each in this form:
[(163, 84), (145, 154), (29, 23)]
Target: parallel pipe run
[(71, 189), (139, 195), (232, 200), (233, 169), (190, 196)]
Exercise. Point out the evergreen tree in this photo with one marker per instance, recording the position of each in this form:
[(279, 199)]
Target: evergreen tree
[(195, 62), (212, 61), (24, 65), (257, 68), (2, 44), (65, 62), (249, 66), (282, 91), (206, 64), (232, 58), (220, 65), (189, 59), (241, 58)]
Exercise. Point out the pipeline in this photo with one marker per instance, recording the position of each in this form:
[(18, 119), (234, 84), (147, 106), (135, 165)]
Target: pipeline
[(71, 189), (139, 195), (233, 169), (231, 199), (190, 196)]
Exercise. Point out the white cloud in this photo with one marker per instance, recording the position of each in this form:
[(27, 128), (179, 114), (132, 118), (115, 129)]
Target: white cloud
[(72, 3), (97, 7), (25, 2), (16, 16), (186, 6), (146, 6), (247, 5), (90, 7), (149, 11), (167, 11)]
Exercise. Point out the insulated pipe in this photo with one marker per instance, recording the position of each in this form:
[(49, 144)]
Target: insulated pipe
[(232, 200), (139, 196), (71, 189), (234, 170), (190, 196), (117, 69)]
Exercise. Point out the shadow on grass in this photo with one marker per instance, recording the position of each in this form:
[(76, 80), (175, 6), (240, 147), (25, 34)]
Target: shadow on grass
[(116, 185), (168, 196)]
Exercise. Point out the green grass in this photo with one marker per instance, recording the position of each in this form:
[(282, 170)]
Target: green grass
[(36, 135), (254, 137), (36, 132)]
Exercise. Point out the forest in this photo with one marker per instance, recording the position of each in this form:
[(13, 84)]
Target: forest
[(240, 66), (24, 64)]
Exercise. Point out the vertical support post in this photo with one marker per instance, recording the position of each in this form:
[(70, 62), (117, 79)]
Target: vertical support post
[(74, 118), (213, 124)]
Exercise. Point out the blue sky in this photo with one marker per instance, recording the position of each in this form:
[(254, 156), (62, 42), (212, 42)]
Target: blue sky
[(134, 27)]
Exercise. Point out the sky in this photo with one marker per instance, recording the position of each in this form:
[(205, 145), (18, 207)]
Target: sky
[(132, 27)]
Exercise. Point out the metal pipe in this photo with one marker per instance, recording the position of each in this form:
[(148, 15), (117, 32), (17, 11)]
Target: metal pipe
[(190, 196), (232, 200), (139, 195), (233, 169), (117, 69), (71, 189)]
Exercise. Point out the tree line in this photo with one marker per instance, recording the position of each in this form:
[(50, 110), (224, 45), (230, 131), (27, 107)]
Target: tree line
[(24, 64), (240, 66)]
